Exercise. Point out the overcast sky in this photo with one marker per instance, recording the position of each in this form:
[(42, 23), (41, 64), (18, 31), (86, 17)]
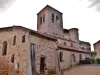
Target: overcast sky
[(75, 15)]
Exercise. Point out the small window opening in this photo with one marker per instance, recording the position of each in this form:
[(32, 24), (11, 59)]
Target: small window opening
[(64, 43), (14, 40), (40, 20), (23, 38), (18, 65), (57, 19), (52, 17), (82, 48), (71, 44), (12, 58), (4, 52), (61, 56), (43, 18)]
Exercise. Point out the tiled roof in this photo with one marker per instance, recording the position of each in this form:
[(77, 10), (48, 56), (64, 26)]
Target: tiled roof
[(84, 42), (71, 48)]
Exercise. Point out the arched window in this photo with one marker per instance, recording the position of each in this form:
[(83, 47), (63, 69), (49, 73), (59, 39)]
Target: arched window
[(43, 18), (57, 19), (12, 58), (14, 40), (52, 17), (23, 38), (61, 56), (4, 51), (40, 20)]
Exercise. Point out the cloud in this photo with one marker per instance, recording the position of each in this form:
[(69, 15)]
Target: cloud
[(5, 4), (94, 2)]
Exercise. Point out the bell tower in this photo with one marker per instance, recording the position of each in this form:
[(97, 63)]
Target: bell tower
[(50, 22)]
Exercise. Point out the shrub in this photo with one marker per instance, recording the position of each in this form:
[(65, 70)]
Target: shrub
[(93, 60), (86, 61), (87, 58), (98, 60)]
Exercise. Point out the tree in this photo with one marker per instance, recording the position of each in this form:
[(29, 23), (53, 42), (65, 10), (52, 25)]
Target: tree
[(93, 54)]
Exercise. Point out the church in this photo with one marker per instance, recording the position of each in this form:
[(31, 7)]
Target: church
[(47, 51)]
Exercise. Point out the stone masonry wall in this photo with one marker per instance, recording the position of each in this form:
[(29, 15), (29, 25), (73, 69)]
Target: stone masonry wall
[(19, 50), (6, 68), (67, 59), (46, 48)]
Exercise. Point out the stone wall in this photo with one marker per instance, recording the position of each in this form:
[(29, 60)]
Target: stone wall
[(52, 28), (97, 49), (67, 59), (19, 50), (44, 47), (6, 68)]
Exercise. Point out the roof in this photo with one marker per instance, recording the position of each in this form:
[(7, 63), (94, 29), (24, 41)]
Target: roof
[(97, 42), (84, 42), (71, 48), (66, 30), (73, 29), (48, 6), (30, 30)]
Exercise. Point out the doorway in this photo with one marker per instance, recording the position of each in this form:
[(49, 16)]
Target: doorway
[(42, 64)]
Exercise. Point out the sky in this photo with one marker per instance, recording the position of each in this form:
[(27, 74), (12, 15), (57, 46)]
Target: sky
[(76, 14)]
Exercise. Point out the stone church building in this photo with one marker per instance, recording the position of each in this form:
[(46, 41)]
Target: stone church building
[(97, 49), (47, 51)]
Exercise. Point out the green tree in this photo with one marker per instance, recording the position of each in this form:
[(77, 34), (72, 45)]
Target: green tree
[(93, 54)]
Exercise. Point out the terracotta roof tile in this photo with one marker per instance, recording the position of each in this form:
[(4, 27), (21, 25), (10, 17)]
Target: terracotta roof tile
[(71, 48)]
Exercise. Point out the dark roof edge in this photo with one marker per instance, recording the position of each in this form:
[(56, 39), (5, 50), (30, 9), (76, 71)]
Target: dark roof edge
[(50, 7), (30, 31), (84, 42), (96, 42)]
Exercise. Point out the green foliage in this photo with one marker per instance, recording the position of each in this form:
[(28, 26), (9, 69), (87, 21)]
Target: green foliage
[(92, 60), (98, 60), (86, 61)]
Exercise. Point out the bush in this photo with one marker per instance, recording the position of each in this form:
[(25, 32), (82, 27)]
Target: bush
[(86, 61), (98, 60), (87, 58), (93, 60)]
